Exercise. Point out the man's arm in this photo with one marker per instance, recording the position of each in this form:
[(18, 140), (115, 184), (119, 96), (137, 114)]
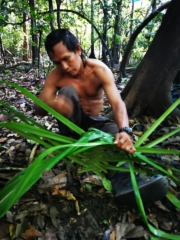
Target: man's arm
[(48, 95), (122, 139)]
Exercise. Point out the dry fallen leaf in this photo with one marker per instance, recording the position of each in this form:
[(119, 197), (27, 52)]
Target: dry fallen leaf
[(68, 195), (112, 236), (9, 216), (93, 179), (153, 220), (120, 229), (131, 217), (2, 140), (49, 235), (138, 133), (10, 150), (40, 221), (3, 118), (11, 229), (60, 180), (12, 135), (136, 232), (164, 224), (161, 206), (65, 193), (31, 233), (53, 214)]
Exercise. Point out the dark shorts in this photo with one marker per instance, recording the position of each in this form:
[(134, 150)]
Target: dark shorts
[(81, 119), (85, 121)]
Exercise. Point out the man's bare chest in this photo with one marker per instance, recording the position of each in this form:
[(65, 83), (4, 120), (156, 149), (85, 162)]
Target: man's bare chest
[(86, 88)]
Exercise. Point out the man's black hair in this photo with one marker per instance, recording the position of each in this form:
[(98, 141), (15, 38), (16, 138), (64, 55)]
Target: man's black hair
[(64, 36)]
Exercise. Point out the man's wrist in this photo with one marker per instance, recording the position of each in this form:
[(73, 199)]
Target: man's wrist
[(127, 130)]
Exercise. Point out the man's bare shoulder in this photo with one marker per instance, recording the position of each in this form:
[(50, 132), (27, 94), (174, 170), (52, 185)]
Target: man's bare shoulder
[(53, 77), (101, 70), (53, 73), (96, 63)]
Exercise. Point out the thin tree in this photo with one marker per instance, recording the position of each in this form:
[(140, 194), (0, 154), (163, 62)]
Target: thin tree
[(92, 54), (58, 4), (149, 89), (133, 37), (33, 33), (25, 42), (52, 25), (116, 39)]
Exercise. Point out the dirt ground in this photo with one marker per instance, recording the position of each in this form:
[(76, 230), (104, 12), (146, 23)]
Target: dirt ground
[(63, 204)]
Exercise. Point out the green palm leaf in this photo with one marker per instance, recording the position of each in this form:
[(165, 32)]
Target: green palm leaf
[(94, 151)]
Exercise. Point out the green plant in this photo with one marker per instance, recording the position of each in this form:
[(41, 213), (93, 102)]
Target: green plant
[(7, 71), (88, 151)]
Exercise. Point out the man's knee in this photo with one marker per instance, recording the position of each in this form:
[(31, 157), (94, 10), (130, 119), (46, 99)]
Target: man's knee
[(69, 92), (110, 127)]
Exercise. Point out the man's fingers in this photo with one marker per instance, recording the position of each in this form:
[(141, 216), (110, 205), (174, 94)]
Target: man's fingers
[(116, 139), (119, 139), (128, 147), (124, 142)]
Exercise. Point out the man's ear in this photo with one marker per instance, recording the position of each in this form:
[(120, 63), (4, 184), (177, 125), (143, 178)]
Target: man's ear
[(78, 50)]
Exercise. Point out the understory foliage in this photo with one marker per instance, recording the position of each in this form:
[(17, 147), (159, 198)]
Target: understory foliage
[(20, 20), (89, 151)]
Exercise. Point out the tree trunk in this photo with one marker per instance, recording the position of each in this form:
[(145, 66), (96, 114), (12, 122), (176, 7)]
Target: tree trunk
[(153, 6), (52, 14), (134, 36), (34, 35), (149, 90), (104, 32), (58, 3), (92, 54), (132, 16), (117, 40), (39, 49), (131, 25), (2, 50), (25, 42)]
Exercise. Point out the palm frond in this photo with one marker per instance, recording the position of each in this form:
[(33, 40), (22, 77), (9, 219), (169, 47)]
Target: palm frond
[(94, 151)]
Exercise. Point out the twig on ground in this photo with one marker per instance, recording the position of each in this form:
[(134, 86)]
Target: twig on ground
[(11, 168), (31, 157)]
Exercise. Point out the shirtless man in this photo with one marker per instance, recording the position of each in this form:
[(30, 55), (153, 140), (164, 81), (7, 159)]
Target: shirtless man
[(82, 83)]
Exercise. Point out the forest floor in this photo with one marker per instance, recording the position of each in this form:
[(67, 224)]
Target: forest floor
[(44, 212)]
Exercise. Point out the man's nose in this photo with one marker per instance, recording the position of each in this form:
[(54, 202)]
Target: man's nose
[(64, 65)]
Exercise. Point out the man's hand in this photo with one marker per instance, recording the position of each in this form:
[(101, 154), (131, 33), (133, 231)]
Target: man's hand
[(123, 141), (62, 105)]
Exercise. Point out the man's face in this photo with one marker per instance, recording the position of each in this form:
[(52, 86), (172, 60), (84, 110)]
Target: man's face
[(68, 62)]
